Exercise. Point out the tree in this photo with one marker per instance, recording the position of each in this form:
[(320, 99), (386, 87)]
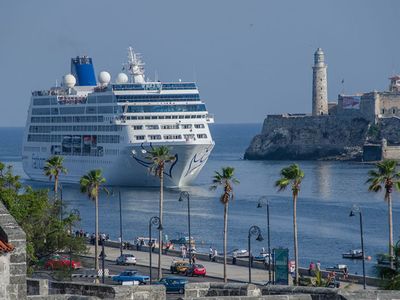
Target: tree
[(46, 234), (293, 176), (387, 177), (225, 179), (90, 184), (53, 168), (159, 156)]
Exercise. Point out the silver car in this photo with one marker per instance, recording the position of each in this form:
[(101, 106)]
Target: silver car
[(126, 259)]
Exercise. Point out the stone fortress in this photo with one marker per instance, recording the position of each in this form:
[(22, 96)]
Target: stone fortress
[(357, 127)]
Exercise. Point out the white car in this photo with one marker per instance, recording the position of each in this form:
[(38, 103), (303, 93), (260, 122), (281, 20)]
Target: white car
[(126, 259)]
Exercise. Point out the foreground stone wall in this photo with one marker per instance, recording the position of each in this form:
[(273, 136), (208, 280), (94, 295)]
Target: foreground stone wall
[(216, 291), (12, 264), (51, 289)]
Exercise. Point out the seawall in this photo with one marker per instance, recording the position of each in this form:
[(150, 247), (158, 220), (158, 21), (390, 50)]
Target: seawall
[(308, 137)]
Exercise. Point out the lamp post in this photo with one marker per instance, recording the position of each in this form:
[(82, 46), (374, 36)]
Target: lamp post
[(264, 201), (185, 196), (154, 221), (74, 212), (255, 231), (353, 212), (61, 202), (120, 222)]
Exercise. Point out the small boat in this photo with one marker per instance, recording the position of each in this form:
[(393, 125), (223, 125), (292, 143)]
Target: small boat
[(263, 256), (241, 253), (339, 268), (353, 254)]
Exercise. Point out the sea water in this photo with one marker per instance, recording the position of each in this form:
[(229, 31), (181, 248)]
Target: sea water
[(328, 192)]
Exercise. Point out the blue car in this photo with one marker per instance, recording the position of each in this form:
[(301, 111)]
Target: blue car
[(131, 275), (174, 284)]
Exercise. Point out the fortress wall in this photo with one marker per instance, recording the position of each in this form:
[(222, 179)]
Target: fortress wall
[(307, 137)]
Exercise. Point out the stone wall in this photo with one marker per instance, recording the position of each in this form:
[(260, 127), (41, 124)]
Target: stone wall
[(221, 291), (306, 137), (12, 264), (44, 288)]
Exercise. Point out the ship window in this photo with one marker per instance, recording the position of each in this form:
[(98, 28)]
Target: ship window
[(140, 137), (186, 126), (198, 125), (166, 108), (170, 126), (41, 101), (71, 110), (202, 136), (91, 110), (105, 109), (173, 137), (155, 137), (41, 111), (152, 127), (137, 127), (104, 99)]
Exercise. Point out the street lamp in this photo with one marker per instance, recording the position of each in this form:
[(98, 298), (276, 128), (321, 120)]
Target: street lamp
[(261, 202), (353, 212), (120, 222), (61, 201), (185, 196), (255, 231), (73, 213), (154, 221)]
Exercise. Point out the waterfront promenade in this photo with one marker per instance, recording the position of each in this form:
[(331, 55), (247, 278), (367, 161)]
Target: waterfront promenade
[(237, 273), (214, 269)]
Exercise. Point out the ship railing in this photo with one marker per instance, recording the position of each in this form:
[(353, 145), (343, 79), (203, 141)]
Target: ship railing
[(55, 92), (210, 118), (72, 99)]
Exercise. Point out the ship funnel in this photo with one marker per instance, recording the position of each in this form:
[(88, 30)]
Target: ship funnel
[(83, 71)]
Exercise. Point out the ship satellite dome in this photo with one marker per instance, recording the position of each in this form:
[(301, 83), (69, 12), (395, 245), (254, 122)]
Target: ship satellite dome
[(69, 81), (104, 77), (122, 78)]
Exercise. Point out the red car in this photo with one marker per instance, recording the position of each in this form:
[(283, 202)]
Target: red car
[(196, 269), (60, 261)]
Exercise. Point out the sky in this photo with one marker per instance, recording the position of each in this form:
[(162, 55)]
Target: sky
[(249, 58)]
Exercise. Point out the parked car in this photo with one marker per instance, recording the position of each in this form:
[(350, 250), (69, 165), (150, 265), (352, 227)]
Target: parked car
[(58, 261), (179, 266), (126, 259), (131, 275), (174, 284), (196, 269)]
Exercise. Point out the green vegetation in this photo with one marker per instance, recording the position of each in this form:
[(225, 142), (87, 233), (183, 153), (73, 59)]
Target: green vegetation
[(53, 168), (390, 275), (225, 179), (386, 176), (293, 176), (91, 183), (159, 156), (46, 233)]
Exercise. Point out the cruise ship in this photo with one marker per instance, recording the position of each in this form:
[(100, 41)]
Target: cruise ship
[(112, 125)]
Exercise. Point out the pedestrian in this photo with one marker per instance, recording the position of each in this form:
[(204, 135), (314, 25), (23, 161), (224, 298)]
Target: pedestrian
[(193, 259), (81, 233), (210, 253), (119, 240), (215, 253), (183, 250), (318, 266), (263, 250), (234, 257), (311, 268)]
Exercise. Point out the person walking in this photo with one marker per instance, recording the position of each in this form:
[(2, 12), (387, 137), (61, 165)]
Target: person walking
[(318, 266), (210, 253), (193, 259), (234, 257), (183, 252)]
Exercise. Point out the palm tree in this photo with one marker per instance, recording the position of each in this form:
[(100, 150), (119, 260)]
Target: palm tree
[(53, 168), (159, 156), (293, 176), (387, 177), (225, 178), (90, 184)]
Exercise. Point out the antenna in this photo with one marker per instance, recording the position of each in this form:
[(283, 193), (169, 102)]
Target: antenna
[(135, 66)]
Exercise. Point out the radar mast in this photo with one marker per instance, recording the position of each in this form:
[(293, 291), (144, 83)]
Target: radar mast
[(135, 66)]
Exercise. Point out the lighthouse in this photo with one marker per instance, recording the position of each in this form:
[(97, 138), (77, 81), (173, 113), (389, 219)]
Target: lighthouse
[(320, 85)]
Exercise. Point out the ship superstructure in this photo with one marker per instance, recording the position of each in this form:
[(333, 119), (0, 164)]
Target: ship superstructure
[(112, 126)]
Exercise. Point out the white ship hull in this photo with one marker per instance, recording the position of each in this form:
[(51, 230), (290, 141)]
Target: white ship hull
[(129, 169)]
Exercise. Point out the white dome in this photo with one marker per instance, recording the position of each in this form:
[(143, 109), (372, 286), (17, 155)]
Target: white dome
[(104, 77), (69, 80), (122, 78)]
